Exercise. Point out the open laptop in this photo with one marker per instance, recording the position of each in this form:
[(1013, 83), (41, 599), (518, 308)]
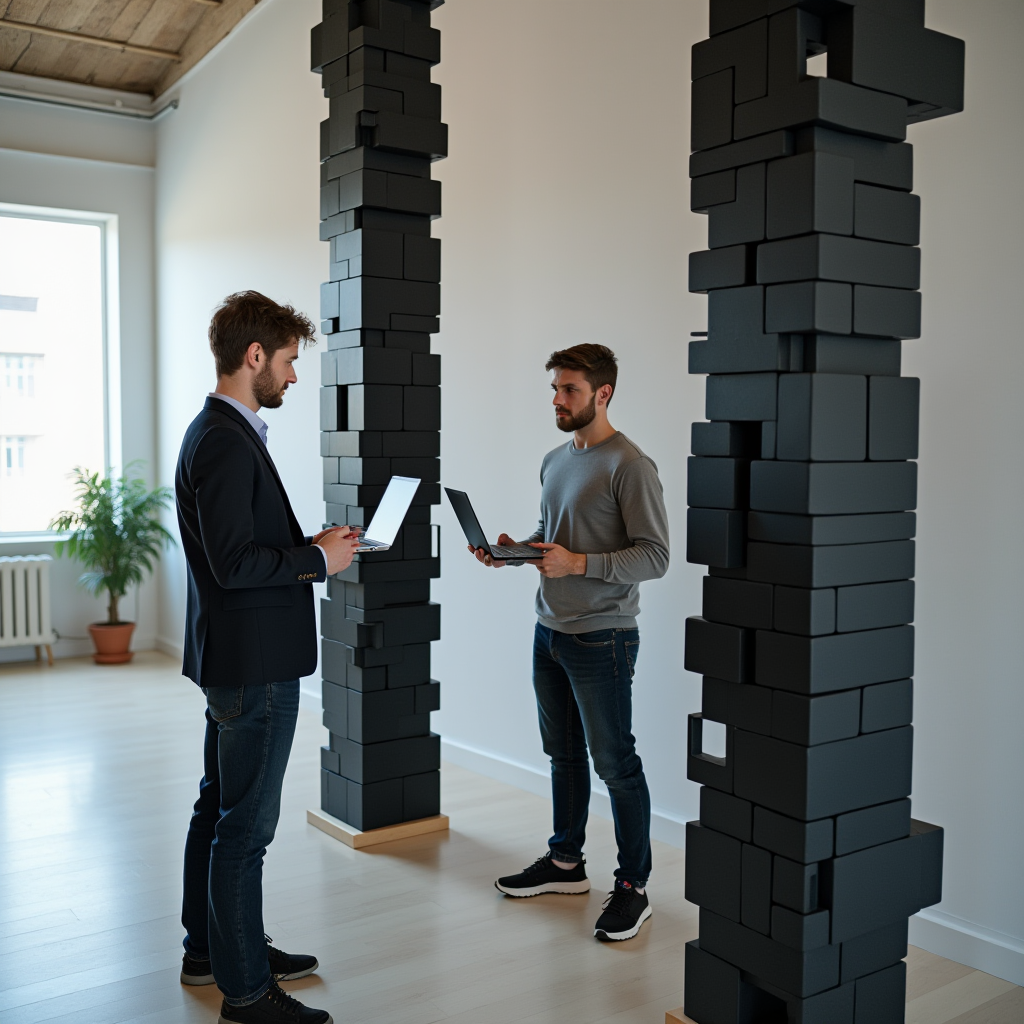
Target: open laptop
[(471, 527), (391, 511)]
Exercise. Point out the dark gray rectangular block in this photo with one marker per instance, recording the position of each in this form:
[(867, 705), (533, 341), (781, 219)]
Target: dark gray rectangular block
[(824, 664), (428, 697), (871, 888), (835, 353), (385, 715), (887, 706), (376, 762), (334, 794), (805, 307), (711, 106), (805, 842), (742, 220), (735, 314), (893, 412), (715, 991), (826, 102), (335, 700), (723, 439), (738, 603), (768, 439), (833, 488), (796, 885), (813, 720), (741, 396), (780, 528), (410, 443), (886, 312), (839, 258), (374, 407), (715, 537), (738, 154), (740, 355), (717, 483), (817, 782), (380, 595), (362, 470), (881, 998), (800, 931), (756, 889), (802, 611), (335, 666), (890, 164), (872, 826), (364, 443), (829, 565), (822, 417), (330, 761), (726, 813), (375, 804), (743, 705), (802, 973), (714, 649), (713, 870), (421, 795), (930, 841), (422, 408), (871, 952), (403, 624), (373, 366), (875, 605), (887, 215), (810, 192), (745, 50), (711, 189), (730, 267)]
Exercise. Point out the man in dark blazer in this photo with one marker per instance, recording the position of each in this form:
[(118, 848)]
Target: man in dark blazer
[(250, 633)]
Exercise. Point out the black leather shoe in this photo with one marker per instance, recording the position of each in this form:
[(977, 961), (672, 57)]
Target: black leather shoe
[(274, 1007), (289, 966)]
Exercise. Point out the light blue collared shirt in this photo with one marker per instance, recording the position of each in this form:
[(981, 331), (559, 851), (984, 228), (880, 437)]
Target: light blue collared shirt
[(251, 418), (261, 428)]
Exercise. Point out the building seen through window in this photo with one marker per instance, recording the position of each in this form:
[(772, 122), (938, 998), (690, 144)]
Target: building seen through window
[(52, 401)]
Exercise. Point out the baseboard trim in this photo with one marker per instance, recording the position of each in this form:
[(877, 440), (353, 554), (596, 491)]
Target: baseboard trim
[(171, 648), (664, 827), (982, 948)]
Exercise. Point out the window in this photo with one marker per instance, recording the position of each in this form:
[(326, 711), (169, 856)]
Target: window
[(53, 374)]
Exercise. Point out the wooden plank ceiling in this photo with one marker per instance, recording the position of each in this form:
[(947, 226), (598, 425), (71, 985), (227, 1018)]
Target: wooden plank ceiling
[(161, 39)]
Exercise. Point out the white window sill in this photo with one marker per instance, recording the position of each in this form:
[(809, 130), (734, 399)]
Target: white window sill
[(20, 539)]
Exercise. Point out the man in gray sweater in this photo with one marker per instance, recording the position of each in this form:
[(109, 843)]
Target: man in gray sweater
[(603, 530)]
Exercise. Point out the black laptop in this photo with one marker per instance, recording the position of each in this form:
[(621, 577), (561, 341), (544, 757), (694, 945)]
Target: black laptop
[(476, 536)]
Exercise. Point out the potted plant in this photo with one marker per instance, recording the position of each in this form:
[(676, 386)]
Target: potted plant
[(114, 531)]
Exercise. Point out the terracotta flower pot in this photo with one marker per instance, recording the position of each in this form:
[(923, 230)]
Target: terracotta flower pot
[(111, 642)]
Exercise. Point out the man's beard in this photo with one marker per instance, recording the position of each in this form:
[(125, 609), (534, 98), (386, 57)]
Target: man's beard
[(266, 390), (582, 419)]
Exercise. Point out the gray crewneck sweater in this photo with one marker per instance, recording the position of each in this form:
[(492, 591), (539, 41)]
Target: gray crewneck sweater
[(605, 502)]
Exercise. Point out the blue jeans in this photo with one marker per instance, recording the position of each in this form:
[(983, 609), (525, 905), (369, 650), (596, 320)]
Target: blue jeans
[(249, 732), (584, 684)]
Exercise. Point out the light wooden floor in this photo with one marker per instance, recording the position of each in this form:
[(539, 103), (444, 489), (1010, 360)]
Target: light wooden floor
[(98, 771)]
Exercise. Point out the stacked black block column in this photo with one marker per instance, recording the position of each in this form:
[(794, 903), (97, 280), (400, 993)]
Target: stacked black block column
[(806, 862), (380, 411)]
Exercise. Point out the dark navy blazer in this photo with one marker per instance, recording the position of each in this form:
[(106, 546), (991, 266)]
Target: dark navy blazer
[(249, 617)]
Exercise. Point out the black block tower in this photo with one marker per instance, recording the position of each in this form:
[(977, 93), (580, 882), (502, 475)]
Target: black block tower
[(380, 404), (806, 862)]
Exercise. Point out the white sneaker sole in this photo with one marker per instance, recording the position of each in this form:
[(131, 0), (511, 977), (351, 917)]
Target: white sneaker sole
[(196, 979), (297, 974), (600, 933), (566, 888), (223, 1020)]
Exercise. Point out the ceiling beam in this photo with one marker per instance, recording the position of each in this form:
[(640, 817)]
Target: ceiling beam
[(77, 37)]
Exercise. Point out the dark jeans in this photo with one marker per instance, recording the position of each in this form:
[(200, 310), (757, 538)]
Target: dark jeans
[(249, 733), (584, 684)]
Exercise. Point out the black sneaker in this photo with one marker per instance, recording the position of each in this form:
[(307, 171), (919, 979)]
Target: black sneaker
[(289, 966), (625, 911), (275, 1007), (543, 876), (195, 972)]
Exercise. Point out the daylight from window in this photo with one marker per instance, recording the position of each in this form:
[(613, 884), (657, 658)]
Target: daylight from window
[(51, 366)]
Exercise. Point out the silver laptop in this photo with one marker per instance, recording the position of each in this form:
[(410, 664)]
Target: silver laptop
[(390, 514)]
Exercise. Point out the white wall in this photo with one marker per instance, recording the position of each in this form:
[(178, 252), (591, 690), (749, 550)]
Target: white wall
[(237, 207), (566, 219), (71, 183)]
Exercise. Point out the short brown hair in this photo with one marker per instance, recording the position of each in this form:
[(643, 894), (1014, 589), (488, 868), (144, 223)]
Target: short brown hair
[(597, 363), (246, 317)]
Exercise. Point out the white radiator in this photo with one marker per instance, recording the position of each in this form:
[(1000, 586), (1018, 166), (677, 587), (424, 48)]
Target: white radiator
[(25, 617)]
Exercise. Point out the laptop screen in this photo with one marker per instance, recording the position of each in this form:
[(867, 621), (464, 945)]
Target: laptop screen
[(387, 520)]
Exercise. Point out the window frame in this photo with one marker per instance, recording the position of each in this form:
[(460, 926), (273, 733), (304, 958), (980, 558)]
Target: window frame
[(110, 333)]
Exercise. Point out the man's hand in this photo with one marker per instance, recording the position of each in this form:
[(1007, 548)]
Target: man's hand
[(559, 561), (485, 556), (339, 544)]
